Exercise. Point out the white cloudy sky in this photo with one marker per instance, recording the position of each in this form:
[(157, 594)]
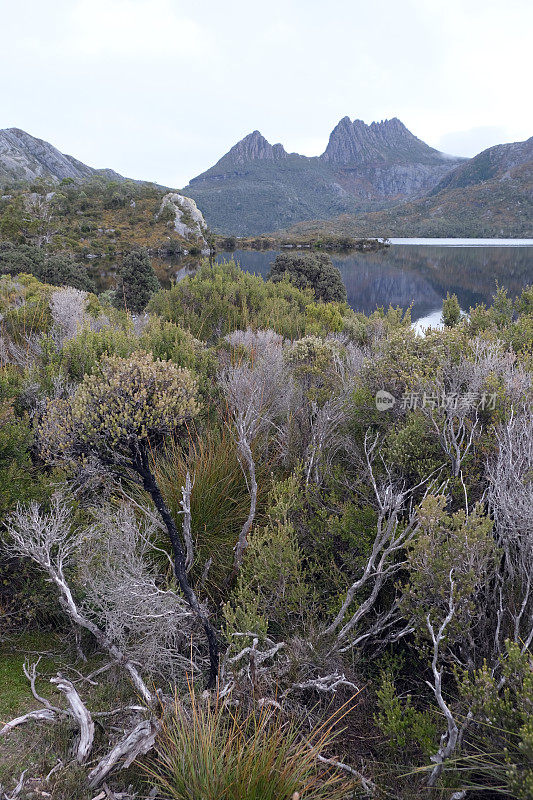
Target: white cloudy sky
[(160, 89)]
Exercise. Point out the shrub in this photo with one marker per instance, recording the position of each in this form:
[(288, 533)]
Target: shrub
[(58, 269), (81, 355), (313, 362), (404, 726), (498, 748), (170, 342), (130, 403), (310, 271), (221, 298), (27, 304), (451, 311), (271, 588), (137, 281)]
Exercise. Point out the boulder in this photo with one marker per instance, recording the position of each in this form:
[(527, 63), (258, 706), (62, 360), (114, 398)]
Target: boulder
[(188, 219)]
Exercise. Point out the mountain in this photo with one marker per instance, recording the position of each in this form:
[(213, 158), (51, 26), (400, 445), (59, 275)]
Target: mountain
[(495, 162), (252, 147), (25, 158), (491, 195), (258, 187), (388, 141)]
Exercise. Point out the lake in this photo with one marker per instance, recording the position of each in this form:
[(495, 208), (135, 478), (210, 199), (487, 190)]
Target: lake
[(410, 271), (418, 272)]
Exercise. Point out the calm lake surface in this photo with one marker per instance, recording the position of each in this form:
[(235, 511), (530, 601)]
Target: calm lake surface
[(410, 271), (413, 271)]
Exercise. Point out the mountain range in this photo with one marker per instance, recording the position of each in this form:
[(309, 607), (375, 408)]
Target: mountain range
[(490, 195), (258, 187), (371, 180)]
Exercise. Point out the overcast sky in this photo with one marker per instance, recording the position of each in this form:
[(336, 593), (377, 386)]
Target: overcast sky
[(161, 89)]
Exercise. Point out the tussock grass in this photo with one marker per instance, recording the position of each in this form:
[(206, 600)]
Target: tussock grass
[(220, 500), (208, 752)]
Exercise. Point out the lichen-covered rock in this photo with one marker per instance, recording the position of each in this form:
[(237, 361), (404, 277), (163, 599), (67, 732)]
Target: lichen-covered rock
[(188, 219)]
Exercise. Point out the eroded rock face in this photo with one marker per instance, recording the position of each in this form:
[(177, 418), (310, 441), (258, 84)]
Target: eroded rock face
[(188, 219)]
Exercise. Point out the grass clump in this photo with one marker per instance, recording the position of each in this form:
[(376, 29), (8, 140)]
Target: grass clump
[(207, 752)]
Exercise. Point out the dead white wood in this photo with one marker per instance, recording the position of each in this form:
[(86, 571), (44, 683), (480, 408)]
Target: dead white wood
[(393, 534), (366, 784), (48, 539), (322, 684), (185, 503), (81, 714), (136, 743), (450, 738), (16, 791), (40, 714)]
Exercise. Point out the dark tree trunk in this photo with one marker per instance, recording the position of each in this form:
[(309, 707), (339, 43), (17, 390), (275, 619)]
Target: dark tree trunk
[(141, 465)]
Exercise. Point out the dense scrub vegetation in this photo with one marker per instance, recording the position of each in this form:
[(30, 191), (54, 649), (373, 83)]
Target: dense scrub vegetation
[(58, 232), (314, 271), (286, 547)]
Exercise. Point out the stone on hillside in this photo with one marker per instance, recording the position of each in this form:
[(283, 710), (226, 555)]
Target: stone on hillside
[(189, 221)]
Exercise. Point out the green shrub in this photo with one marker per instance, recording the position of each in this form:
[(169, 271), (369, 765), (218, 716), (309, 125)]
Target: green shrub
[(310, 271), (170, 342), (271, 590), (451, 311), (405, 727), (313, 361), (27, 307), (412, 449), (137, 281), (498, 746), (81, 355), (58, 269), (221, 298)]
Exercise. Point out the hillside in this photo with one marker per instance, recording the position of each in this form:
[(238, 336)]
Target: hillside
[(258, 187), (25, 158), (78, 225), (490, 195)]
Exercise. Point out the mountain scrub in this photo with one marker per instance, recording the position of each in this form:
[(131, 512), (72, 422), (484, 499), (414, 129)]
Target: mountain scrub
[(238, 569)]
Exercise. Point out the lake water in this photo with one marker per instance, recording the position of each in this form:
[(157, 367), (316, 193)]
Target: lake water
[(410, 271), (416, 272)]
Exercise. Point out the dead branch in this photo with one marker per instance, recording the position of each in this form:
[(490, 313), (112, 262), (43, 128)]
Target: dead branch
[(47, 539), (186, 511), (134, 744), (383, 563), (452, 736), (80, 713)]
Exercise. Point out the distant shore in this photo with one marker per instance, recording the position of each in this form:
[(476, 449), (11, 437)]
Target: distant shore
[(329, 243)]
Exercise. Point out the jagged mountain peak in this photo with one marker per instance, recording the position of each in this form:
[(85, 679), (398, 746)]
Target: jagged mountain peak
[(380, 142), (254, 147)]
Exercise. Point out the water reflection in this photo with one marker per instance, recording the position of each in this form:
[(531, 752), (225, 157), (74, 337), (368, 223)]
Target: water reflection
[(400, 275), (419, 274)]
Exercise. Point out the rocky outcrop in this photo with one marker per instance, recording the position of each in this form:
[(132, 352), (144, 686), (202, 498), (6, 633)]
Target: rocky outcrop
[(25, 158), (188, 221)]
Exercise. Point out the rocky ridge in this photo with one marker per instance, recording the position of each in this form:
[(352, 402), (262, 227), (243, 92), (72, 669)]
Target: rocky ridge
[(257, 187), (25, 158)]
